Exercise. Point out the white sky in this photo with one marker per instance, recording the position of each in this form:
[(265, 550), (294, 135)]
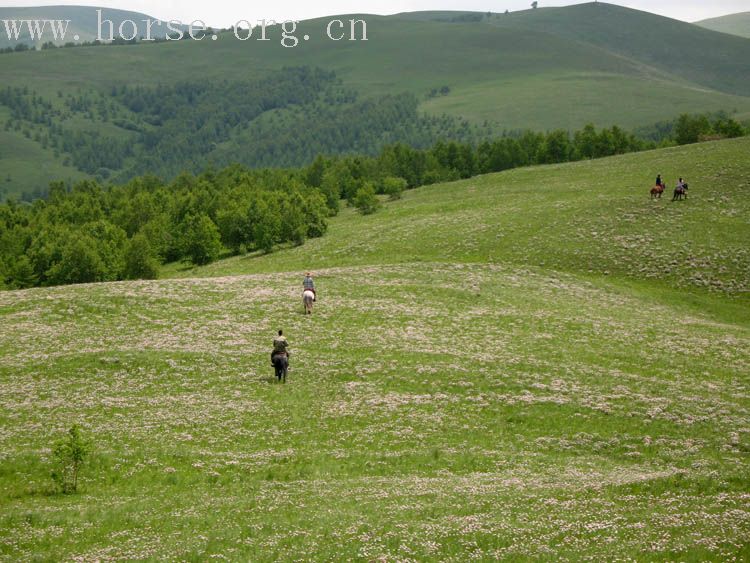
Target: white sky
[(224, 13)]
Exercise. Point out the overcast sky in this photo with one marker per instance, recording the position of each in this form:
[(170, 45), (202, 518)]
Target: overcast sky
[(224, 13)]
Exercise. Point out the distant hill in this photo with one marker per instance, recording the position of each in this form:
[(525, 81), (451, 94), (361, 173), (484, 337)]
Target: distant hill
[(83, 23), (697, 55), (734, 24), (104, 110)]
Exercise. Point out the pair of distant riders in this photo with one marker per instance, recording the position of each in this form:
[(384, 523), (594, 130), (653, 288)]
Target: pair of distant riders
[(280, 353), (680, 190), (682, 186)]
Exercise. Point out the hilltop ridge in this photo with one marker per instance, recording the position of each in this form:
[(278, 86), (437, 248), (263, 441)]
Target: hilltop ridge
[(734, 24)]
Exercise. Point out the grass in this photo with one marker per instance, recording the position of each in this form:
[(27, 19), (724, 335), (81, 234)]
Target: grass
[(565, 100), (450, 398)]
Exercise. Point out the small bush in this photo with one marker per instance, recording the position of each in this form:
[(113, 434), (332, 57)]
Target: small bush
[(69, 455), (393, 187), (366, 201)]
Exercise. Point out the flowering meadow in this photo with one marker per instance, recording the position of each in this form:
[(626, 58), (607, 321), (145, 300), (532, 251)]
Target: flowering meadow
[(527, 365)]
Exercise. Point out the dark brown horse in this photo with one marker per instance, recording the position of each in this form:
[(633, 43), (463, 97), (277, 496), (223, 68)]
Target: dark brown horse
[(281, 365), (680, 192)]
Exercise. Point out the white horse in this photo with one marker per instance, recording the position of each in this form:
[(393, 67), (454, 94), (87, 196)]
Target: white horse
[(307, 299)]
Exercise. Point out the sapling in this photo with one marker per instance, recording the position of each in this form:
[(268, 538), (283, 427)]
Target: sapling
[(69, 454)]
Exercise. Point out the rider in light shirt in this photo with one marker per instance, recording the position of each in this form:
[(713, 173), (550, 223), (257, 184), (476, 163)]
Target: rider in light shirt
[(309, 284)]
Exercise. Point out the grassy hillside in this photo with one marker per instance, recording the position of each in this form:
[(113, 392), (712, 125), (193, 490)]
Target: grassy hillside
[(735, 24), (592, 217), (83, 23), (464, 388), (671, 46), (26, 165), (525, 70)]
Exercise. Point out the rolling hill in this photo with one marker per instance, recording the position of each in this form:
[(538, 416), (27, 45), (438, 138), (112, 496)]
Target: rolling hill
[(541, 69), (83, 24), (735, 24), (540, 363)]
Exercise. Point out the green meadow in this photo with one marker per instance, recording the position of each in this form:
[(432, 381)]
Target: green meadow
[(537, 364)]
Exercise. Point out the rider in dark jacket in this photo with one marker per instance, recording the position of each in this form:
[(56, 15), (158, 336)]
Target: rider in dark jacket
[(280, 346)]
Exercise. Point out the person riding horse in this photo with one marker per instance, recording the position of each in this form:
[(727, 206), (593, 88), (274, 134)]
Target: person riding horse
[(680, 190), (309, 285), (280, 356), (658, 188)]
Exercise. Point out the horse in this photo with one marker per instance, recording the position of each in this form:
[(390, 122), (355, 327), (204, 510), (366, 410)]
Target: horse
[(308, 297), (680, 192), (281, 365), (656, 191)]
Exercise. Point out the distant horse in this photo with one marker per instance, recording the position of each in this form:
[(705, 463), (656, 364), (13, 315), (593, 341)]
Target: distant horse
[(656, 191), (308, 297), (680, 192), (281, 365)]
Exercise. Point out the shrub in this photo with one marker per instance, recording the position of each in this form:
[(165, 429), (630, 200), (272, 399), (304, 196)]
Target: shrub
[(393, 187), (79, 262), (366, 201), (69, 455)]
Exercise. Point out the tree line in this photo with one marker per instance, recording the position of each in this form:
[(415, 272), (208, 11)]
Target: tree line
[(89, 233)]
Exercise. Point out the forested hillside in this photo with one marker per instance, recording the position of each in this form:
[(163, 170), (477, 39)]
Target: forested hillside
[(114, 112)]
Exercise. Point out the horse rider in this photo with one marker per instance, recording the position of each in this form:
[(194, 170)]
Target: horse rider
[(280, 347), (659, 181), (309, 285)]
